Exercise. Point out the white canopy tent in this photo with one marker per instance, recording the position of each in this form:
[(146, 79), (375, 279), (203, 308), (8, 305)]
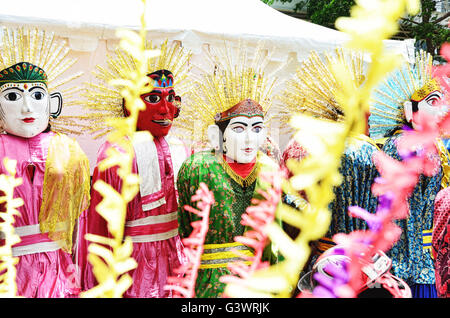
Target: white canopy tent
[(90, 25)]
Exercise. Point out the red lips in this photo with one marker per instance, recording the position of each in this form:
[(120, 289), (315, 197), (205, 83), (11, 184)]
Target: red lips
[(28, 120)]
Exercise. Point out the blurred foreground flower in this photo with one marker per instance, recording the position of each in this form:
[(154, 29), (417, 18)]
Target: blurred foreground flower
[(245, 282), (8, 210), (193, 245), (111, 257)]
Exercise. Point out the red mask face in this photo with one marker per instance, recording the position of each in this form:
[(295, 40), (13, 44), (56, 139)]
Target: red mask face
[(160, 105)]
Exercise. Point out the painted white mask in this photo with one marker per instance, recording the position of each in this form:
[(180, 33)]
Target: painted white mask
[(24, 108), (428, 104), (243, 137)]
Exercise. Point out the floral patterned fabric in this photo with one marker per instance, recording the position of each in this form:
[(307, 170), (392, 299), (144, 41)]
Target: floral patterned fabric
[(410, 261), (231, 200), (440, 242), (358, 172)]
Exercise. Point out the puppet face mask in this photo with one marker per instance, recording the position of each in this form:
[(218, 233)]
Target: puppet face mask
[(161, 105), (24, 108), (243, 137), (425, 100), (239, 131)]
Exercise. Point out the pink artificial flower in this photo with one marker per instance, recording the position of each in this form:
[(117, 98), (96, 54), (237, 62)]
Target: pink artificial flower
[(444, 125), (422, 140), (257, 217), (184, 286), (396, 177)]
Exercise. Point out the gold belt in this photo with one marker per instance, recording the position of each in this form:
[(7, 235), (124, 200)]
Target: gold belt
[(220, 255)]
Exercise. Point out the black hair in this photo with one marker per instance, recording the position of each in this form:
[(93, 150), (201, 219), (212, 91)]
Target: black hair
[(48, 129), (161, 72), (222, 126), (415, 106)]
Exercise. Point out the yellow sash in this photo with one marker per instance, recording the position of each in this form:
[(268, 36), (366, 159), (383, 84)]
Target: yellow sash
[(220, 255), (65, 192)]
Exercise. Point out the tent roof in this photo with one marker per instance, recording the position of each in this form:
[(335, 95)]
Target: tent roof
[(192, 21)]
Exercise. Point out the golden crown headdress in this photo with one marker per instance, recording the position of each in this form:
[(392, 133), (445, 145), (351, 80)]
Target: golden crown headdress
[(42, 49), (236, 75), (313, 87), (409, 82), (104, 101)]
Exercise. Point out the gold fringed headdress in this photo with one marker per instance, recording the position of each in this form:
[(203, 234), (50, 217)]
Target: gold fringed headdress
[(233, 79), (313, 87), (104, 100), (50, 55)]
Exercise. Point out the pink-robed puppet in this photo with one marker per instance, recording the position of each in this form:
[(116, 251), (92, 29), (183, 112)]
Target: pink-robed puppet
[(55, 181), (151, 218)]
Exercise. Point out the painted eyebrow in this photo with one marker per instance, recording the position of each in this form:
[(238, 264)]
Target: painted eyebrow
[(32, 88), (433, 95), (257, 123), (157, 91), (14, 88), (239, 122)]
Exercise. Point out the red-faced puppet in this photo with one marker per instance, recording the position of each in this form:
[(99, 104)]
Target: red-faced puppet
[(162, 105)]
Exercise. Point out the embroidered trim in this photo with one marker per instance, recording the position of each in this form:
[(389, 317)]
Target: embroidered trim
[(445, 155), (153, 219), (35, 248), (154, 237)]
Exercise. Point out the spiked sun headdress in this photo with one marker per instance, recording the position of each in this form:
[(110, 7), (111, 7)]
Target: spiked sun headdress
[(409, 82), (104, 100), (312, 89), (37, 56), (236, 85)]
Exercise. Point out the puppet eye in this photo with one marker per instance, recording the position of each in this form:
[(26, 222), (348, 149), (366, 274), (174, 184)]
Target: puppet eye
[(238, 129), (152, 98), (257, 129), (38, 95), (170, 98), (12, 96)]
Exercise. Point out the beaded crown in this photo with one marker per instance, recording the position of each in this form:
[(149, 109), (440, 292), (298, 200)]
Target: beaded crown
[(23, 72)]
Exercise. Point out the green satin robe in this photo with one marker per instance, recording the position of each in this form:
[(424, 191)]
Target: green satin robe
[(231, 200)]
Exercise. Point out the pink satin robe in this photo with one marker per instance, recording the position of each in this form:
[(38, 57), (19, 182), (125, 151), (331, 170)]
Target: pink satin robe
[(48, 274), (158, 258)]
